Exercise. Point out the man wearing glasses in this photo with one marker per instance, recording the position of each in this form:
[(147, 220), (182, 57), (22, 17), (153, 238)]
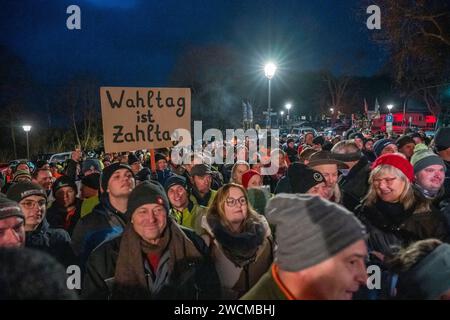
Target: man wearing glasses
[(32, 200)]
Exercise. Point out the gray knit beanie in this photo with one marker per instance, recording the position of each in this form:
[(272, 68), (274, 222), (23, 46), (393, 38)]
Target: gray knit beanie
[(310, 229)]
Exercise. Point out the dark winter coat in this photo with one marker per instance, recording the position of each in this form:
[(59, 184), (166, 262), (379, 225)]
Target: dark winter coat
[(102, 224), (57, 217), (389, 225), (55, 242), (354, 185), (198, 281)]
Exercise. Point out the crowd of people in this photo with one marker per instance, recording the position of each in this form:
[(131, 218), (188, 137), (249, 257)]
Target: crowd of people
[(202, 230)]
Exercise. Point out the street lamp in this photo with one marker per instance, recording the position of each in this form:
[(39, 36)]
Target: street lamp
[(389, 106), (27, 129), (288, 107), (282, 114), (269, 71)]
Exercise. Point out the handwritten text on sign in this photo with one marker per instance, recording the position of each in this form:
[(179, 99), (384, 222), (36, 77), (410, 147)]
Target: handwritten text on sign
[(143, 118)]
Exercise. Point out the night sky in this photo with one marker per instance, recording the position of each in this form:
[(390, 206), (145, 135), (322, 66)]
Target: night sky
[(137, 42)]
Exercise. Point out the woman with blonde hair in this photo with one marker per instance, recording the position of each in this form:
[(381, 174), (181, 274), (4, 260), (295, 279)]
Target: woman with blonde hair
[(394, 217), (240, 241)]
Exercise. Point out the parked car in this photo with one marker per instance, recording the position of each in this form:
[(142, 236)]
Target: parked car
[(302, 130), (60, 157)]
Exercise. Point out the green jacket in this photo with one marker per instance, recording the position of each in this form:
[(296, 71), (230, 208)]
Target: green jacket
[(88, 205), (190, 217), (265, 289), (207, 201)]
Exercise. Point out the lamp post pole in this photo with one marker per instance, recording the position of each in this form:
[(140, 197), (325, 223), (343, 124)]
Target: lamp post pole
[(269, 71), (27, 129)]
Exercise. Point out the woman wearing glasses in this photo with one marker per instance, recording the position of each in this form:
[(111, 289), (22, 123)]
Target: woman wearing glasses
[(240, 241), (394, 217), (32, 200)]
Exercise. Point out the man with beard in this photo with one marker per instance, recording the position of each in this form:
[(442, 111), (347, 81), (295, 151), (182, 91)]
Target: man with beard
[(429, 171)]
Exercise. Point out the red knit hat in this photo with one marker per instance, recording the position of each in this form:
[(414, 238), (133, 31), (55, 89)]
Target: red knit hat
[(247, 176), (396, 161)]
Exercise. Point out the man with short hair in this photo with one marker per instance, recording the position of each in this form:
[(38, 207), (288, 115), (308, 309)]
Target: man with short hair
[(358, 138), (12, 224), (321, 251), (442, 148), (201, 180), (353, 181), (183, 210), (405, 145), (107, 218), (134, 163), (32, 200), (65, 210), (327, 165), (44, 178)]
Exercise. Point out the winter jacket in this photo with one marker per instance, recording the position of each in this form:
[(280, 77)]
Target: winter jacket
[(237, 277), (267, 288), (58, 217), (206, 201), (55, 242), (354, 185), (190, 217), (163, 175), (391, 226), (447, 180), (88, 205), (104, 223), (198, 280)]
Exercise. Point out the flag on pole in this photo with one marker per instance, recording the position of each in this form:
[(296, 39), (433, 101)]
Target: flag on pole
[(366, 107), (377, 106)]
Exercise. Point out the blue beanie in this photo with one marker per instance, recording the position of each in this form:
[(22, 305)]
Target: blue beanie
[(380, 145)]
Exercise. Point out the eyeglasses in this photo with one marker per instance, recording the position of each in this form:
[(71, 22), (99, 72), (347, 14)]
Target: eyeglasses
[(388, 181), (29, 204), (231, 202)]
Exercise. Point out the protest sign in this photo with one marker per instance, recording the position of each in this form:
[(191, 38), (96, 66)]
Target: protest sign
[(143, 118)]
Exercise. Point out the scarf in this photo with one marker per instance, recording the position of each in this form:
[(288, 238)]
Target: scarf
[(239, 248), (130, 276), (428, 194)]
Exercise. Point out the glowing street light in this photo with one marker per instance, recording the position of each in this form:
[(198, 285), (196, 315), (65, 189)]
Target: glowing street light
[(269, 71), (390, 106), (282, 114), (288, 107)]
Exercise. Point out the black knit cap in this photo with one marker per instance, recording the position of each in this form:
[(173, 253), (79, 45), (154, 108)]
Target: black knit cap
[(132, 158), (404, 140), (92, 180), (175, 180), (319, 140), (302, 178), (64, 181), (160, 156), (109, 171), (21, 190), (9, 208), (146, 193)]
